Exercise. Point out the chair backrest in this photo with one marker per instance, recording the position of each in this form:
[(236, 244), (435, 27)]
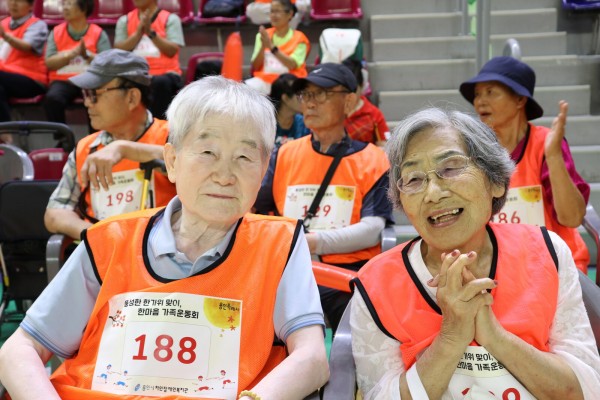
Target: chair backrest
[(335, 9), (581, 5), (591, 223), (203, 19), (14, 164), (48, 163), (24, 129), (196, 59), (50, 11), (591, 299), (183, 8), (107, 12), (342, 381)]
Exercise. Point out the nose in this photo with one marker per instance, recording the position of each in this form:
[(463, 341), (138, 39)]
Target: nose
[(223, 173), (434, 188)]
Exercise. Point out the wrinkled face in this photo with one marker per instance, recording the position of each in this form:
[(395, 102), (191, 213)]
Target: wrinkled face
[(19, 8), (329, 113), (447, 213), (112, 107), (497, 105), (217, 170), (279, 16), (71, 10)]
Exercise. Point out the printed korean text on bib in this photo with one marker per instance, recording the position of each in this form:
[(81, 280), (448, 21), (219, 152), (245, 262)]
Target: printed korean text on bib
[(479, 376), (524, 205), (273, 65), (122, 197), (335, 209), (158, 344), (145, 48)]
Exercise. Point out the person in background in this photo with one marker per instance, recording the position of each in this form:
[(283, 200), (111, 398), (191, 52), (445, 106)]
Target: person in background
[(290, 122), (278, 49), (258, 12), (71, 47), (469, 309), (365, 122), (156, 35), (546, 188), (346, 228), (102, 177), (204, 263), (23, 73)]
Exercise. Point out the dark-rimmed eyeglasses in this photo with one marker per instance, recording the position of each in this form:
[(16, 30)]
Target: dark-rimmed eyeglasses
[(92, 94), (318, 96), (449, 168)]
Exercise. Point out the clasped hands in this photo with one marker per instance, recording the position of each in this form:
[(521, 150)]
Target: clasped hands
[(465, 301)]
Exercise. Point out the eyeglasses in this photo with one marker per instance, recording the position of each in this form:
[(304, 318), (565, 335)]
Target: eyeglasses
[(318, 96), (448, 168), (92, 94)]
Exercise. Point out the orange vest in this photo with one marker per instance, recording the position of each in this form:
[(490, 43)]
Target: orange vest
[(524, 301), (288, 49), (24, 62), (157, 133), (250, 271), (162, 64), (64, 41), (299, 164), (528, 173)]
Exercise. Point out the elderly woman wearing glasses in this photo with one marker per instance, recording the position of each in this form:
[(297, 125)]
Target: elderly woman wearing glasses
[(469, 309)]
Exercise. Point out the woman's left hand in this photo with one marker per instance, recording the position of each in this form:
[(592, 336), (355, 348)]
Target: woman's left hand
[(552, 146), (264, 37)]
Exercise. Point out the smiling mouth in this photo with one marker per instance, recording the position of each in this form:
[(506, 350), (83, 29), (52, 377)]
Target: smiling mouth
[(445, 217)]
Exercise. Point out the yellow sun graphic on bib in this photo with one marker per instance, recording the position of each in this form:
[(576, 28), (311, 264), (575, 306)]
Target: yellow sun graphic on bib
[(531, 194), (222, 313), (139, 175), (345, 193)]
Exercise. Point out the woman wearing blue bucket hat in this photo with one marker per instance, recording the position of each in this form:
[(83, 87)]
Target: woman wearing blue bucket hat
[(545, 188)]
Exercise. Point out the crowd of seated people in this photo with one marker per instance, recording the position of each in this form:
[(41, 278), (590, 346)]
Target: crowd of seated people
[(311, 154)]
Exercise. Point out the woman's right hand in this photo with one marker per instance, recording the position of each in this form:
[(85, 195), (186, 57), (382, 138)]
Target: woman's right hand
[(460, 300), (264, 37)]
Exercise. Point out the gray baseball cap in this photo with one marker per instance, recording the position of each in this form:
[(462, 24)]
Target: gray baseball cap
[(111, 64)]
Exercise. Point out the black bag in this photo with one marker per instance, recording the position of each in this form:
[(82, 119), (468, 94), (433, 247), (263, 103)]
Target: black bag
[(208, 68), (223, 8)]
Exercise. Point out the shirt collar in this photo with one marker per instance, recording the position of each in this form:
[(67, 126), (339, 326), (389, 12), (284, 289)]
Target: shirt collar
[(346, 141), (15, 23)]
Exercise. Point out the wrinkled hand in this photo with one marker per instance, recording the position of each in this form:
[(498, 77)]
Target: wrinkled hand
[(81, 50), (265, 38), (552, 145), (97, 168), (460, 301), (2, 32), (145, 21), (487, 326)]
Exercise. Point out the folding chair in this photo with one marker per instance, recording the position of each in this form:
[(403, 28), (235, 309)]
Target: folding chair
[(23, 238), (335, 9), (183, 8), (107, 12), (48, 163), (14, 164), (24, 129), (196, 59), (50, 11)]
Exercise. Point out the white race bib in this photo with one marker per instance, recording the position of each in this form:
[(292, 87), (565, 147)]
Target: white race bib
[(5, 49), (272, 65), (480, 376), (76, 66), (122, 197), (335, 209), (524, 205), (158, 344), (145, 48)]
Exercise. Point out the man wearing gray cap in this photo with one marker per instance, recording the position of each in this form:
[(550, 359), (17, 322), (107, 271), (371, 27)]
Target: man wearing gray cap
[(102, 176), (353, 210)]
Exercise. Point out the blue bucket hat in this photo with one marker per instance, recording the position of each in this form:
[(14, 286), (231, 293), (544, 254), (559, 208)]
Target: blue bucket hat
[(512, 73)]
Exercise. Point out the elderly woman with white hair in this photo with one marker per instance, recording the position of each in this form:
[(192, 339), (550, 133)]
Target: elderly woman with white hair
[(198, 299), (470, 309)]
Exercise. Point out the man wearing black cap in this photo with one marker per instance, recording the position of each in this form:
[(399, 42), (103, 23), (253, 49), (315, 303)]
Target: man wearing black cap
[(102, 176), (353, 210)]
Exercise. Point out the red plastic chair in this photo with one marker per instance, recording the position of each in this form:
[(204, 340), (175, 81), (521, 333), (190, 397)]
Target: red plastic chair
[(196, 59), (335, 9), (219, 20), (3, 9), (107, 12), (50, 11), (183, 8), (48, 163)]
